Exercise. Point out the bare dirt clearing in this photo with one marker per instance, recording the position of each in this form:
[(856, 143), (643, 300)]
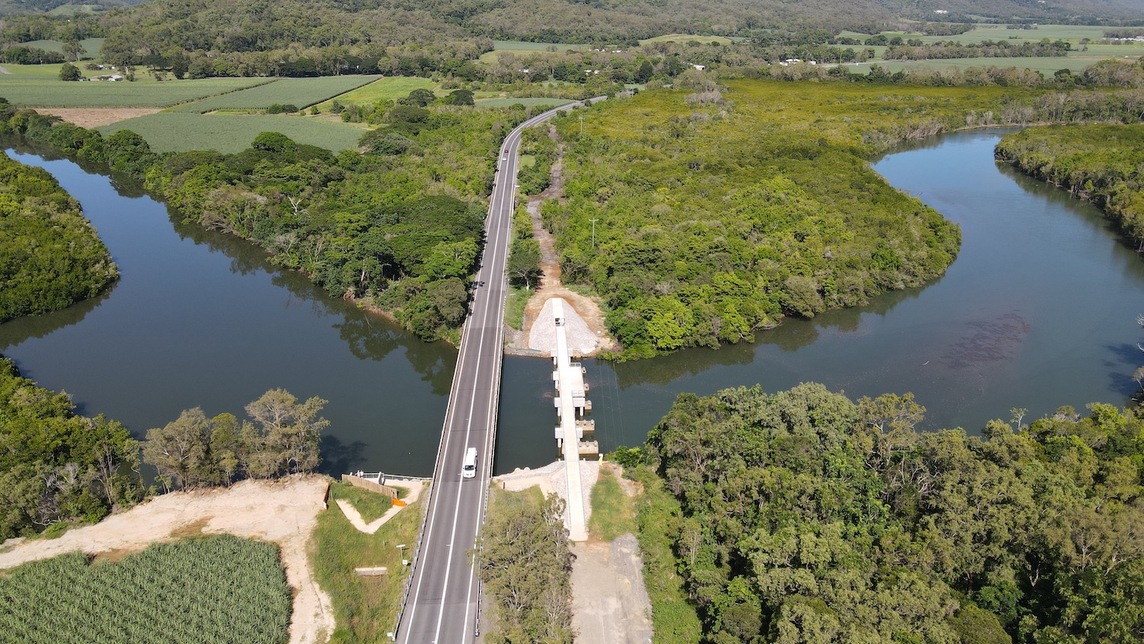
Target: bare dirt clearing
[(89, 117), (551, 286), (282, 512)]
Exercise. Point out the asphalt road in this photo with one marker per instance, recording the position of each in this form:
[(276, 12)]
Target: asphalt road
[(441, 605)]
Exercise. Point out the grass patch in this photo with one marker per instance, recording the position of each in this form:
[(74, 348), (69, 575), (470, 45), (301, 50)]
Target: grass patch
[(514, 306), (613, 512), (527, 102), (370, 505), (300, 92), (518, 46), (181, 131), (658, 514), (389, 88), (365, 607), (686, 38), (91, 46), (521, 45), (1047, 65), (39, 86), (211, 589)]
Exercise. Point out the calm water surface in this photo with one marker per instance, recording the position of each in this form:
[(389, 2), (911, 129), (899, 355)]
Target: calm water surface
[(1038, 311)]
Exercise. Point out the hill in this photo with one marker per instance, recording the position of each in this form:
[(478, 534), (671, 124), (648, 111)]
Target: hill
[(566, 21)]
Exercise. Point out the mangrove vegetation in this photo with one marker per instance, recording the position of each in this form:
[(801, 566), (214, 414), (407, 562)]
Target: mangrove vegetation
[(1103, 163), (804, 516), (50, 256)]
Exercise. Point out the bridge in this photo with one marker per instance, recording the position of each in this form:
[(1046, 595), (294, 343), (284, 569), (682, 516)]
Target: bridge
[(441, 601)]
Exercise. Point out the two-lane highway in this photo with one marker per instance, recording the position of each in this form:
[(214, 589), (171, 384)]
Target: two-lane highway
[(441, 604)]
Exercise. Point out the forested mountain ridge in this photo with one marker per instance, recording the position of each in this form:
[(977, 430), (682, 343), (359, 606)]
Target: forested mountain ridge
[(570, 21)]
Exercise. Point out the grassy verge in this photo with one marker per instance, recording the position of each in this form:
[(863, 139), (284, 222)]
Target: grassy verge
[(613, 512), (365, 607), (658, 515), (515, 305)]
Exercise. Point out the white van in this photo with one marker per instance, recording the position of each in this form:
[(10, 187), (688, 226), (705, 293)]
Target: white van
[(469, 470)]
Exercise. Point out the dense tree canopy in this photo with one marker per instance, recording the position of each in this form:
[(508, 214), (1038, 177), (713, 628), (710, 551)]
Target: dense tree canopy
[(54, 465), (807, 517), (281, 437), (50, 256), (525, 564)]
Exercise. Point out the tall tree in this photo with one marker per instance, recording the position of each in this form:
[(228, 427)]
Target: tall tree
[(290, 431)]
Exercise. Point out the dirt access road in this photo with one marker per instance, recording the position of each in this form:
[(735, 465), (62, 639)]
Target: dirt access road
[(525, 342)]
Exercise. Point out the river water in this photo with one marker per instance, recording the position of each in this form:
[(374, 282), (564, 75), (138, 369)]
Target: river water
[(1038, 311)]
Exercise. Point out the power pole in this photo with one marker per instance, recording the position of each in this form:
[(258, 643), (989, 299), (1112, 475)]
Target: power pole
[(581, 126), (594, 220)]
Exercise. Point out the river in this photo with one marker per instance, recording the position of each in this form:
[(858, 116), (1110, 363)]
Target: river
[(1038, 311)]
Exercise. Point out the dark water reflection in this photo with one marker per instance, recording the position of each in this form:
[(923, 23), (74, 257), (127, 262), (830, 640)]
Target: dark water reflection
[(203, 319)]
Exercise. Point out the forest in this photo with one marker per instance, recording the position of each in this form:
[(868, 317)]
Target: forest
[(51, 257), (294, 38), (525, 563), (804, 516), (56, 466), (1102, 163)]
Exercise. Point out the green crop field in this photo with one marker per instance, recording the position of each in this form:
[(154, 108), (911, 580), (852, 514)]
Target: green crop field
[(38, 86), (91, 46), (389, 88), (523, 47), (1046, 65), (300, 92), (214, 589), (181, 131), (520, 45), (527, 102), (685, 38)]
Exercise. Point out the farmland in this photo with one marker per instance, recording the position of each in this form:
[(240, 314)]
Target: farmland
[(210, 589), (685, 38), (38, 86), (524, 47), (1088, 47), (300, 92), (181, 131), (389, 88), (90, 46), (527, 102)]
